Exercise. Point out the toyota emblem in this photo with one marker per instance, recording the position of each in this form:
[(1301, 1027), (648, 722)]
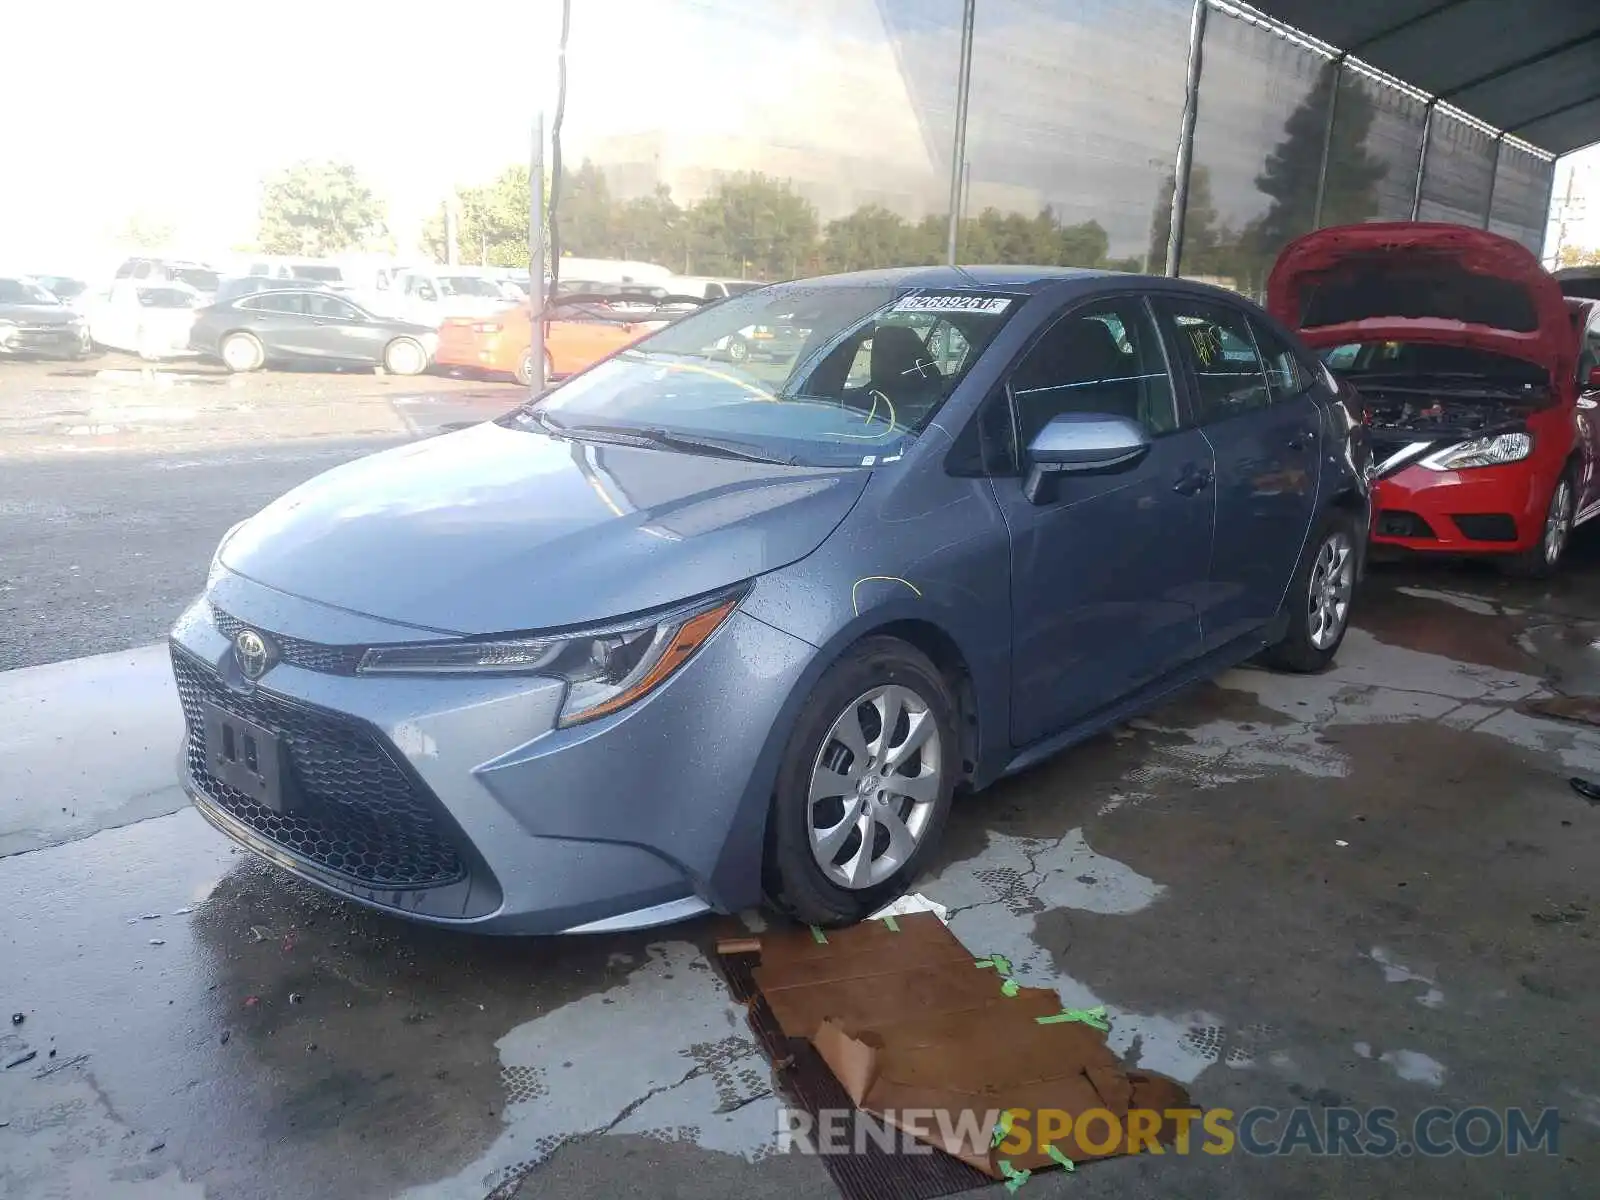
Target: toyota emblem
[(254, 653)]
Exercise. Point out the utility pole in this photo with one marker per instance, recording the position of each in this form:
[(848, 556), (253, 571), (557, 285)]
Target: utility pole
[(536, 257), (452, 230), (958, 155)]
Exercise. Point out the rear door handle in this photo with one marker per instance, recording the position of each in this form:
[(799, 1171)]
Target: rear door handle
[(1192, 482)]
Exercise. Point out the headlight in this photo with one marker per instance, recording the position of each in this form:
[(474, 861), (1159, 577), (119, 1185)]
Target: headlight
[(605, 668), (1482, 452)]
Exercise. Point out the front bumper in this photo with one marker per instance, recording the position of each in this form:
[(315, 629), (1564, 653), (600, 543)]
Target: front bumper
[(455, 801), (1484, 510), (58, 341)]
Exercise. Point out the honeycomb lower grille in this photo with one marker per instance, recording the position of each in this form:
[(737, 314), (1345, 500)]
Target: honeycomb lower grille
[(311, 656), (364, 817)]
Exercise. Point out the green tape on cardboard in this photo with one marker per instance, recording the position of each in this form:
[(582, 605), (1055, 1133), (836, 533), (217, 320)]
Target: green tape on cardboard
[(999, 962), (818, 936), (1095, 1018), (1066, 1163), (1002, 1128), (894, 926), (1009, 988)]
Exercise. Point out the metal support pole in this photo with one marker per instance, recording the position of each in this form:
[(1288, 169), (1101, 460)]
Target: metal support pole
[(1549, 201), (536, 257), (1422, 159), (1336, 74), (1494, 175), (1184, 165), (958, 155)]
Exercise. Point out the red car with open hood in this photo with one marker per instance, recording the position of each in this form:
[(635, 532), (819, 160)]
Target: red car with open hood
[(1477, 377)]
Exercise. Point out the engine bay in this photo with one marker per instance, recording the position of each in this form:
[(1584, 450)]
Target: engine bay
[(1435, 413)]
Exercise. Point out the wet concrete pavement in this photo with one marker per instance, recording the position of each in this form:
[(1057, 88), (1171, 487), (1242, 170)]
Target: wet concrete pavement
[(1371, 887)]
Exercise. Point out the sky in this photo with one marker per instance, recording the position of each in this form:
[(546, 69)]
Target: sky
[(171, 111)]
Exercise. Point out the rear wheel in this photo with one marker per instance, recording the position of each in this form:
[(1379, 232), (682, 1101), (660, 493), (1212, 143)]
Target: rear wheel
[(242, 352), (405, 356), (864, 785), (738, 350), (1541, 561), (1319, 598), (525, 368)]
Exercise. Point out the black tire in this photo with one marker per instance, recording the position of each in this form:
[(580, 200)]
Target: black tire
[(738, 350), (1303, 649), (248, 354), (796, 884), (1542, 560), (405, 356)]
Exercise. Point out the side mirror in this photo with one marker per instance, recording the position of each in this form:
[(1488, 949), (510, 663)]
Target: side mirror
[(1082, 444)]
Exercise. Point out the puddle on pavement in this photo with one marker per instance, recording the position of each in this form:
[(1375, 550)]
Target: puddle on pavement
[(1568, 654)]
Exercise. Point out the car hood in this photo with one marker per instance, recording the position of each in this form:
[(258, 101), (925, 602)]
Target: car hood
[(496, 529), (37, 314), (1422, 282)]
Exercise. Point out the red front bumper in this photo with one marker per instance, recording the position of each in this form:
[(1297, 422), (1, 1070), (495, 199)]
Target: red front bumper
[(1484, 510)]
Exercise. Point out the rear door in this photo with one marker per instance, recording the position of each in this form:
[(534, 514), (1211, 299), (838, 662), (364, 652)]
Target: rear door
[(1254, 402), (339, 331), (1105, 568), (279, 322)]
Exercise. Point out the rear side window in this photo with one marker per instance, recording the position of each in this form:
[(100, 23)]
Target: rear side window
[(1215, 342), (1287, 376)]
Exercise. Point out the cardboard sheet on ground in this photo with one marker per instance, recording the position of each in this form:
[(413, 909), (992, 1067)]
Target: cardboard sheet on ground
[(911, 1025)]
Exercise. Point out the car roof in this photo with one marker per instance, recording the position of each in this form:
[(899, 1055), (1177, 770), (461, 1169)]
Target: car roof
[(1010, 278)]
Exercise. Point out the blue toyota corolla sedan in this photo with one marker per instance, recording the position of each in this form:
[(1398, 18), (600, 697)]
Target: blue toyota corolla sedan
[(684, 634)]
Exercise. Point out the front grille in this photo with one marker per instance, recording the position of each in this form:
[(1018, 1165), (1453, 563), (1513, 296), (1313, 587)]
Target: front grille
[(312, 656), (1393, 522), (364, 817), (1486, 527)]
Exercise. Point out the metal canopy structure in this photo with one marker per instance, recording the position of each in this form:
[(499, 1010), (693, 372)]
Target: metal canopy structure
[(1528, 67)]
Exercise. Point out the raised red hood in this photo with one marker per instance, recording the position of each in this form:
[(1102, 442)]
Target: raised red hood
[(1415, 281)]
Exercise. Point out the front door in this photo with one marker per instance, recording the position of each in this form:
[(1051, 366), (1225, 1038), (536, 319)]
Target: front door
[(1255, 403), (1105, 568), (338, 331)]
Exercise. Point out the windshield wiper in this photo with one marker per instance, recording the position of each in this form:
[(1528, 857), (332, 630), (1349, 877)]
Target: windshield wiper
[(662, 439)]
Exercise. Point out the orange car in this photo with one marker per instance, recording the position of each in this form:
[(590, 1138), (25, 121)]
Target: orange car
[(575, 336)]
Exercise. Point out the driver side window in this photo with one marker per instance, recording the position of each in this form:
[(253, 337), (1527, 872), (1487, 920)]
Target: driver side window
[(1103, 358)]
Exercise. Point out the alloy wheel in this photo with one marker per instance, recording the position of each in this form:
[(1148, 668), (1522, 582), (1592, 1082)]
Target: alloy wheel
[(873, 787), (1333, 579), (1558, 523)]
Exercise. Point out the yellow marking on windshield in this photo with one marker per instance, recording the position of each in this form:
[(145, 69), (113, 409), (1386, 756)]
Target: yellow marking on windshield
[(759, 393), (871, 412)]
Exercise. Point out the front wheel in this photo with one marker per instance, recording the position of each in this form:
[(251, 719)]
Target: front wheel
[(1542, 560), (864, 785), (738, 350), (405, 356), (1319, 599)]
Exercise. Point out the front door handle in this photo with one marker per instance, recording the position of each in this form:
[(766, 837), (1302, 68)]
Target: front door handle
[(1192, 482)]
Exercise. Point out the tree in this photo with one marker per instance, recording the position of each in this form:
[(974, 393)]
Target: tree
[(1289, 175), (315, 209), (145, 232), (752, 224), (1206, 241), (873, 236), (1578, 256)]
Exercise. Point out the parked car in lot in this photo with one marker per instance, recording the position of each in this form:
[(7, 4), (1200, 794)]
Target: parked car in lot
[(150, 320), (149, 271), (677, 634), (1477, 376), (70, 290), (33, 321), (309, 325), (426, 296), (579, 331), (233, 287)]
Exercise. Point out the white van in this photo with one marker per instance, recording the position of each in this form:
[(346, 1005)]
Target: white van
[(613, 270), (705, 288)]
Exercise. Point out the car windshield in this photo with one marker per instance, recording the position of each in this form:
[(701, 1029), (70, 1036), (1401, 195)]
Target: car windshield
[(1398, 361), (24, 291), (198, 278), (318, 273), (61, 287), (469, 285), (824, 376)]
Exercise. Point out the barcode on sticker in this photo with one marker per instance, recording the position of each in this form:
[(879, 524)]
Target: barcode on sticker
[(980, 304)]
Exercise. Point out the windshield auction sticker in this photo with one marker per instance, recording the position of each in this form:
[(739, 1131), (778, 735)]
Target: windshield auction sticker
[(952, 302)]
